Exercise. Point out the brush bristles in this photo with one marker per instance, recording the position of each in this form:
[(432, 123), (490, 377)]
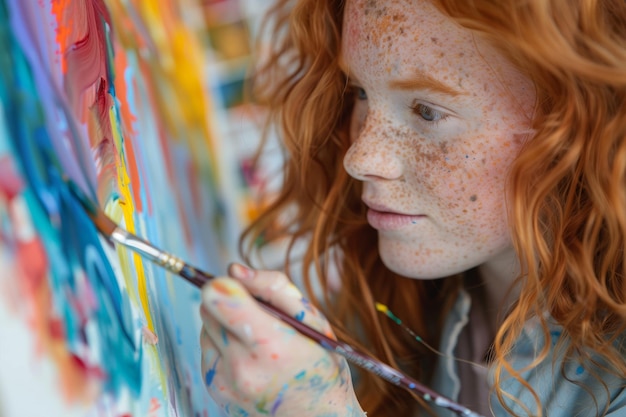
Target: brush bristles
[(103, 223)]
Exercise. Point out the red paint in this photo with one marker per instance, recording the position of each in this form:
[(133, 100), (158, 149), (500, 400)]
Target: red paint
[(10, 183), (56, 329), (33, 265), (87, 371)]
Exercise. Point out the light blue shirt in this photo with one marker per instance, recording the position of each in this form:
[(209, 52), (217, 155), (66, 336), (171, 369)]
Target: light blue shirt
[(559, 397)]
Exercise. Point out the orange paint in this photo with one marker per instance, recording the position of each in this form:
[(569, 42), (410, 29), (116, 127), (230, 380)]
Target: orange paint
[(127, 119), (222, 288), (63, 30)]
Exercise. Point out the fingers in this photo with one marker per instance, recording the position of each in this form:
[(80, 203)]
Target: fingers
[(236, 317), (276, 288), (270, 286), (214, 334), (209, 360), (253, 361)]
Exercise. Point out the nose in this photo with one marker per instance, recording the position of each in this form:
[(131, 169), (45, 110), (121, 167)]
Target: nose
[(374, 152)]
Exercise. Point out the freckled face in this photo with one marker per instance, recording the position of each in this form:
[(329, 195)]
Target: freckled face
[(438, 119)]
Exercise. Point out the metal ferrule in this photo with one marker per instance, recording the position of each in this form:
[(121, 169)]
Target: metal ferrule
[(170, 262)]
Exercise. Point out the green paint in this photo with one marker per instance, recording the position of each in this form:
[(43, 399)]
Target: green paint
[(393, 317)]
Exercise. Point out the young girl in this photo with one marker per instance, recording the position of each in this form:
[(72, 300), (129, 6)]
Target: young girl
[(463, 164)]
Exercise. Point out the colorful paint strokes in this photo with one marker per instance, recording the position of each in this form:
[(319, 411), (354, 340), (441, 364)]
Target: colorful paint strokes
[(111, 95)]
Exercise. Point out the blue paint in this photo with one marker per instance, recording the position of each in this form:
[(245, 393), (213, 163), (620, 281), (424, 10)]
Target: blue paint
[(208, 378), (233, 410), (279, 400), (300, 316), (224, 335), (316, 381), (44, 136), (73, 245)]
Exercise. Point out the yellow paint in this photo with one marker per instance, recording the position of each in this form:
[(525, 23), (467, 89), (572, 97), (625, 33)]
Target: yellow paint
[(292, 291), (171, 66), (382, 308), (126, 204), (182, 100)]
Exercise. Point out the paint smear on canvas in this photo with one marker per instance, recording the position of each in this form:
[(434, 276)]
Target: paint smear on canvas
[(110, 95)]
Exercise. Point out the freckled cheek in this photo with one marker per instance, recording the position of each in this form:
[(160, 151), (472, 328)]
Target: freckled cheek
[(463, 184)]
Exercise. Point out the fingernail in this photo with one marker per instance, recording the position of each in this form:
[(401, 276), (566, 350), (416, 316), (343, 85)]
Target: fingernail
[(240, 271)]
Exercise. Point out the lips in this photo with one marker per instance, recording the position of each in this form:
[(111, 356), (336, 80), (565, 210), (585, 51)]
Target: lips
[(382, 218)]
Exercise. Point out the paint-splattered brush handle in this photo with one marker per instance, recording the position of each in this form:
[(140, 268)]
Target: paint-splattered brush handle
[(371, 364)]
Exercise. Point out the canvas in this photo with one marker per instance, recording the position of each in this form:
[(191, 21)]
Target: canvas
[(110, 95)]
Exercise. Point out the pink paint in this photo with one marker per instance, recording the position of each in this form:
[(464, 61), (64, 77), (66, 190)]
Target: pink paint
[(10, 183), (149, 337)]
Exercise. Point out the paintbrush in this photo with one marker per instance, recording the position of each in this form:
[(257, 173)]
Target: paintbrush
[(198, 278)]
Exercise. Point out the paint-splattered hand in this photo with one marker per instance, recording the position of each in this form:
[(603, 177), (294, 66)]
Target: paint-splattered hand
[(256, 365)]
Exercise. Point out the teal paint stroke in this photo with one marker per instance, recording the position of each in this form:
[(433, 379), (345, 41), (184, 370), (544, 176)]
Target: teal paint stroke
[(70, 239)]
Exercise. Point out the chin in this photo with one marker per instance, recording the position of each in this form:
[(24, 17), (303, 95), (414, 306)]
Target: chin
[(408, 264)]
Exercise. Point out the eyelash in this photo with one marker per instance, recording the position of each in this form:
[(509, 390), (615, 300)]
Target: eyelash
[(435, 116), (359, 92)]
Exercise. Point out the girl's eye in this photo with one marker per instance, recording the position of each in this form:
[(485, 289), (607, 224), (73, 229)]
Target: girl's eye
[(428, 113), (360, 93)]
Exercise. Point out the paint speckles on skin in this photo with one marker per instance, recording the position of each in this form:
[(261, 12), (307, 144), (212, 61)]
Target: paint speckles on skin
[(279, 399), (233, 410), (224, 288), (300, 316), (261, 406), (224, 334), (247, 329), (210, 375)]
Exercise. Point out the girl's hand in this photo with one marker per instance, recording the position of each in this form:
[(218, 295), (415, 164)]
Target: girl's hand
[(256, 365)]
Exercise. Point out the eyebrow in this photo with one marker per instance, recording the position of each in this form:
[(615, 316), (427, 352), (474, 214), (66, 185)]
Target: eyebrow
[(422, 81)]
